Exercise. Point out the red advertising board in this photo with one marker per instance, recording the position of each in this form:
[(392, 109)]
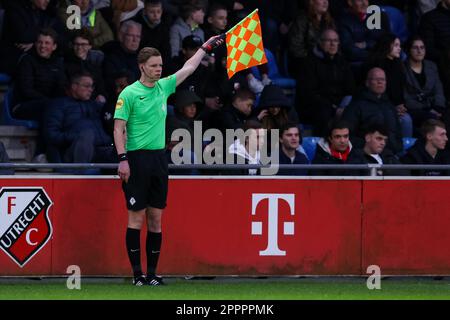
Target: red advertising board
[(406, 226), (239, 227)]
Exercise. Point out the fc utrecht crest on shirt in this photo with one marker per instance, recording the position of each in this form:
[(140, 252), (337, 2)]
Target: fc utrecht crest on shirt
[(25, 227)]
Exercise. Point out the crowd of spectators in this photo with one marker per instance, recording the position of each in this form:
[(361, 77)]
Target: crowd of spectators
[(361, 89)]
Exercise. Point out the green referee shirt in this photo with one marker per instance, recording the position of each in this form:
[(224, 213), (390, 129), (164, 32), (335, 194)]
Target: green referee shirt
[(145, 110)]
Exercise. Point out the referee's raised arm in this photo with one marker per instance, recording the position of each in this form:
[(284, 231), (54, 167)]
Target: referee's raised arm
[(192, 64)]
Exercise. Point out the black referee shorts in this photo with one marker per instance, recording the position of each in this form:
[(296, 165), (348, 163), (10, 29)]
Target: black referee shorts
[(148, 182)]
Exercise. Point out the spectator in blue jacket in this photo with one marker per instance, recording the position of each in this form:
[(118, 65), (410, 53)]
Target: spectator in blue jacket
[(74, 129)]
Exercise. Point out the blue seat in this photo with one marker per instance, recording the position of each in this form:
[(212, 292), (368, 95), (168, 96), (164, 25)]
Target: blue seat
[(408, 142), (309, 144), (397, 22), (274, 73), (8, 119)]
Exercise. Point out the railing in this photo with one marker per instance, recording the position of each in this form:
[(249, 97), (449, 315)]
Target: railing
[(371, 168)]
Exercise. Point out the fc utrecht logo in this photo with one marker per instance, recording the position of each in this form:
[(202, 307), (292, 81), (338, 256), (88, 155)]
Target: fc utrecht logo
[(25, 226)]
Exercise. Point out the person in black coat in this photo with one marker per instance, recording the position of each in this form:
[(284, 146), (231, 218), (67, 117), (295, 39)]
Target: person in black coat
[(23, 21), (430, 149), (356, 38), (74, 129), (424, 93), (374, 151), (235, 115), (327, 83), (335, 148), (200, 80), (4, 158), (373, 107)]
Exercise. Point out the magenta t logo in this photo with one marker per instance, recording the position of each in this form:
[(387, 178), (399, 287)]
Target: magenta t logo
[(272, 225)]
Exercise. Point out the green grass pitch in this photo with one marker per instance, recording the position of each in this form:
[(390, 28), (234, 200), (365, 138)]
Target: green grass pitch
[(316, 288)]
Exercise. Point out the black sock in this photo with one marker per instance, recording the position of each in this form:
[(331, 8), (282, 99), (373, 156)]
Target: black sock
[(153, 248), (133, 241)]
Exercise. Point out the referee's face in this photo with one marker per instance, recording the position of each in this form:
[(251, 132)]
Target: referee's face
[(152, 68)]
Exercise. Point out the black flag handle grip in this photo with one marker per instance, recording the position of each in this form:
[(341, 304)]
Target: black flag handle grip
[(213, 43)]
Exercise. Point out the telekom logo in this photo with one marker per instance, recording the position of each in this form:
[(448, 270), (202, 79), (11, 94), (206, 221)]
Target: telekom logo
[(288, 227)]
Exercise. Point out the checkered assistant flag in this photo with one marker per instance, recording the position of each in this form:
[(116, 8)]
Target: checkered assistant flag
[(244, 45)]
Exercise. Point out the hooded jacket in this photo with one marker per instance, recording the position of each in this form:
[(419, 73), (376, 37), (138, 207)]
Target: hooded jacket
[(21, 24)]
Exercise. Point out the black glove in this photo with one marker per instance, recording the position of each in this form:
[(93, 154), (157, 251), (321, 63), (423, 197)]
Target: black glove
[(213, 43)]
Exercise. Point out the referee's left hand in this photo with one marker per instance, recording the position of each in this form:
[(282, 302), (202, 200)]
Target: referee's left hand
[(124, 171)]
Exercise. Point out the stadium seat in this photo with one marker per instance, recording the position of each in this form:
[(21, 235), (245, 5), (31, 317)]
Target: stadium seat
[(397, 22), (274, 73), (7, 116), (408, 142), (309, 145)]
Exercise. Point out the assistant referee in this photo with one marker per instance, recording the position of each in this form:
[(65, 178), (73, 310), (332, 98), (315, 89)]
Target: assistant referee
[(139, 135)]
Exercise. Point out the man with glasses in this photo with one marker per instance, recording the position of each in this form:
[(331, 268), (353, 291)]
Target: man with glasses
[(74, 129), (356, 38), (327, 83), (155, 27), (372, 106)]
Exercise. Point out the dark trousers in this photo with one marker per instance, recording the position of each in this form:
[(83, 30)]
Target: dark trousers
[(84, 150)]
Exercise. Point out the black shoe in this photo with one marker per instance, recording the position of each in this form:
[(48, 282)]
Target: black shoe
[(139, 281), (155, 281)]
